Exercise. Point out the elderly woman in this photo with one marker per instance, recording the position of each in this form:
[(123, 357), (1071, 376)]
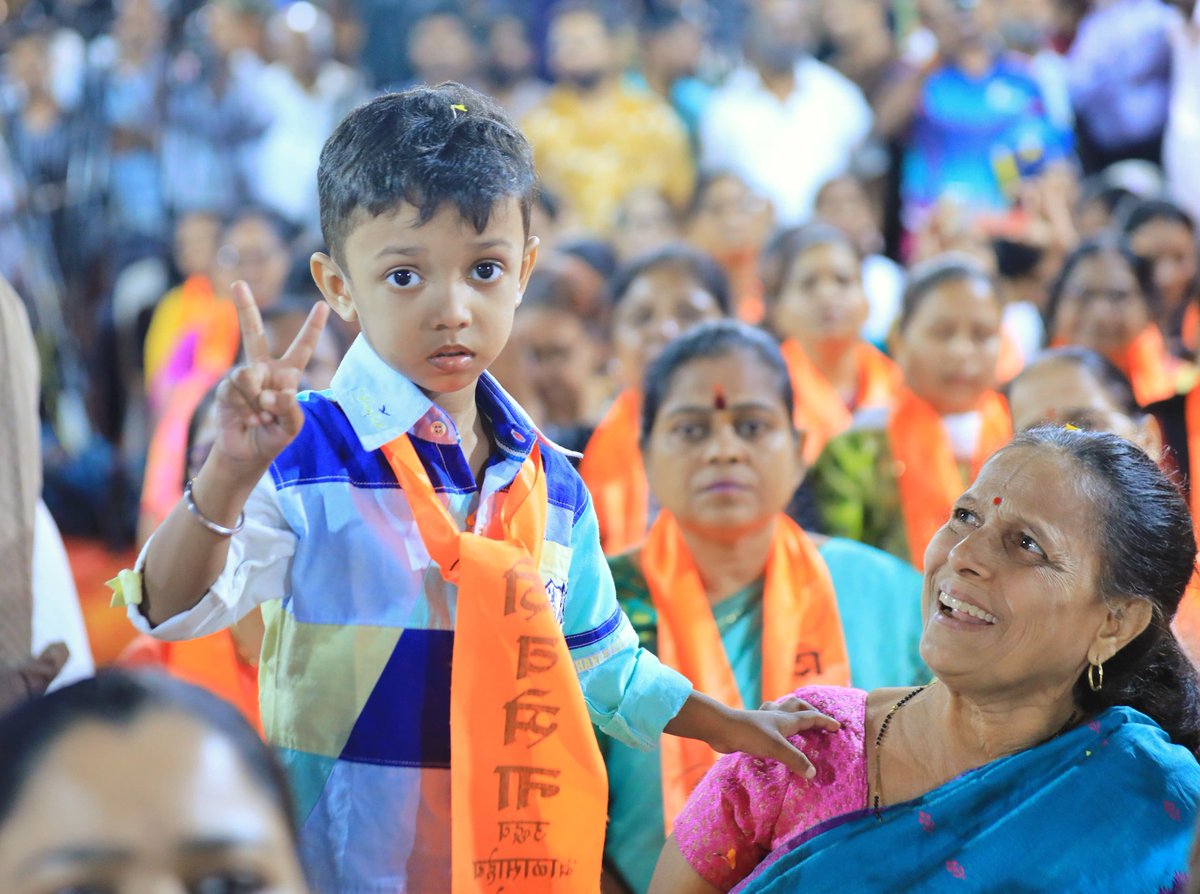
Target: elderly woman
[(1058, 740)]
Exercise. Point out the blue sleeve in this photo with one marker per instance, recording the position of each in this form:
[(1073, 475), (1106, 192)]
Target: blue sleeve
[(630, 695)]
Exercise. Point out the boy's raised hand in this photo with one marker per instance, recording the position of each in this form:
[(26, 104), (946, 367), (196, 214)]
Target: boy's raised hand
[(257, 411)]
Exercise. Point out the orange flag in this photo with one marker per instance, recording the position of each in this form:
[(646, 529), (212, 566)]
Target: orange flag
[(820, 411), (927, 473), (614, 474), (528, 791), (803, 642)]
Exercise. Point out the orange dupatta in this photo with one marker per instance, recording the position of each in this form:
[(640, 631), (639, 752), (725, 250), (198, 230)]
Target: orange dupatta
[(210, 662), (528, 791), (927, 475), (1187, 617), (820, 412), (1189, 334), (1147, 365), (803, 642), (615, 477)]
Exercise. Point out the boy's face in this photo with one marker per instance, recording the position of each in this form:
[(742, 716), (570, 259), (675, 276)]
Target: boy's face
[(434, 300)]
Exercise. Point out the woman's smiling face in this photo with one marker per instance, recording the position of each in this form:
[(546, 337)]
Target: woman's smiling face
[(1011, 595)]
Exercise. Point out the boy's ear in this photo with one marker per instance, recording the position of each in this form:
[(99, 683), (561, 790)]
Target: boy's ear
[(334, 285), (528, 262)]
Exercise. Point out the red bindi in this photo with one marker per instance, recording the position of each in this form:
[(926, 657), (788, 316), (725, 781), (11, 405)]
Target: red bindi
[(718, 398), (996, 501)]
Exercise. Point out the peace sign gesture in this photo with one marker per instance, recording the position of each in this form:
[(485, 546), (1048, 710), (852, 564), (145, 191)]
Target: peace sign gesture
[(257, 411)]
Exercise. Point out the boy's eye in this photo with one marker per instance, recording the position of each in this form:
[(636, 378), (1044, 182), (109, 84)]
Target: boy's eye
[(405, 279), (487, 271)]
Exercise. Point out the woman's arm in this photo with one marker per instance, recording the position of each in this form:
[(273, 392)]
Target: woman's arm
[(675, 875)]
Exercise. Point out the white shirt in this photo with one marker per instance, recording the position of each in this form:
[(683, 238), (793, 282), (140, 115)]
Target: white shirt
[(786, 150), (883, 283), (1181, 142), (56, 613), (286, 170)]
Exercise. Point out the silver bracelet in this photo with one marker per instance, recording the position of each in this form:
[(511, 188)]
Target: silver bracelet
[(205, 520)]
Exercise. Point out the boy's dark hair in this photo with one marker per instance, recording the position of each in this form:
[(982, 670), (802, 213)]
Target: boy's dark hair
[(421, 148), (703, 269)]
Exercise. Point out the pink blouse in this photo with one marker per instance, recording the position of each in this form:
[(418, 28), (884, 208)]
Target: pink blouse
[(747, 806)]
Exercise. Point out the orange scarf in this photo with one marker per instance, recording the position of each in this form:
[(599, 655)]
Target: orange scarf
[(614, 474), (528, 792), (1189, 334), (820, 412), (927, 474), (210, 662), (1148, 366), (803, 643), (1011, 359), (1187, 618)]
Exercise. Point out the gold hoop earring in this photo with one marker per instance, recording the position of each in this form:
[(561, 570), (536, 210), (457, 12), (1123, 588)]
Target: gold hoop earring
[(1096, 680)]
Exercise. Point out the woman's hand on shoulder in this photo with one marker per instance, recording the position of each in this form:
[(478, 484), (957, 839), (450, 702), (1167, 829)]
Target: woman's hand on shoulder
[(258, 414)]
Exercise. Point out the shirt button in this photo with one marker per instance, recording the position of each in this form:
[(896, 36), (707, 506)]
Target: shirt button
[(438, 429)]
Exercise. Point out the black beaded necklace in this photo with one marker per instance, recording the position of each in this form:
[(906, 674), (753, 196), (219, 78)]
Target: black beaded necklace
[(883, 728)]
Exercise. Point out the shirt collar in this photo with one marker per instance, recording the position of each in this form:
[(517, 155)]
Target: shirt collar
[(382, 404)]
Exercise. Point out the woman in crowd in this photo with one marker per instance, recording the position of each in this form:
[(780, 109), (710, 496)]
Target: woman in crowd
[(727, 589), (657, 297), (125, 783), (1164, 234), (1104, 298), (1076, 386), (819, 313), (890, 480), (1057, 743)]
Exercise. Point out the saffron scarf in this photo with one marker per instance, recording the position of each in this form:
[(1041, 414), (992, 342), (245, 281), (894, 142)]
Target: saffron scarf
[(198, 332), (927, 474), (1148, 366), (614, 474), (802, 645), (1187, 617), (528, 792), (820, 411), (210, 662), (1055, 817)]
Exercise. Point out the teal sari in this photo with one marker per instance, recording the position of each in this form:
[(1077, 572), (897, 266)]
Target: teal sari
[(1109, 806)]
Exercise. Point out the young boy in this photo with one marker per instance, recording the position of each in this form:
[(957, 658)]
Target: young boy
[(425, 204)]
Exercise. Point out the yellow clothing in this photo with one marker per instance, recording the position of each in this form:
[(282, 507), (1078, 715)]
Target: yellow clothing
[(189, 318), (593, 153)]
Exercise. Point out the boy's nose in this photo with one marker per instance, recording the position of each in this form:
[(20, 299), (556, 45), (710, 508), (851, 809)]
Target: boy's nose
[(454, 311)]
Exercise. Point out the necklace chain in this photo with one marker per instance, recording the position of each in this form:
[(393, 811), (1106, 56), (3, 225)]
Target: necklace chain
[(883, 728)]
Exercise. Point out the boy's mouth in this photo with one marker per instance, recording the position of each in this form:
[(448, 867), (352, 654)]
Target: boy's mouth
[(452, 358)]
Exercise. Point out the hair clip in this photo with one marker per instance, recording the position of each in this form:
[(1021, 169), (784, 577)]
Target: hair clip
[(458, 107), (1067, 426)]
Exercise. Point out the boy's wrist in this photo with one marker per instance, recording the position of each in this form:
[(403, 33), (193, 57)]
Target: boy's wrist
[(703, 718)]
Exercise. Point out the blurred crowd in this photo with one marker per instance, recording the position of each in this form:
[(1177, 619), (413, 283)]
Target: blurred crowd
[(154, 151)]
